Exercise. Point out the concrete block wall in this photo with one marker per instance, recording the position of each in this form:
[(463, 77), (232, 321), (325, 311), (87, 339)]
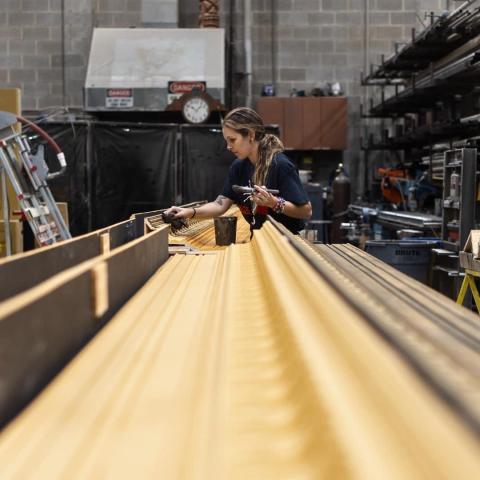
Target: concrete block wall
[(44, 51), (309, 42), (160, 14), (319, 41), (190, 12)]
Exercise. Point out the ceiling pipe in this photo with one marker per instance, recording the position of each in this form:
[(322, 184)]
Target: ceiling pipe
[(64, 63), (247, 31), (231, 55), (273, 41)]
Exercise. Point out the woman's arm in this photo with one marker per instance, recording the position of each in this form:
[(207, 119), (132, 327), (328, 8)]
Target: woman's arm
[(264, 198), (209, 210), (297, 211)]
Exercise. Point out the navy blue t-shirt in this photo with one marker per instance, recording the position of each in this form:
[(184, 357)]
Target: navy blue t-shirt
[(282, 175)]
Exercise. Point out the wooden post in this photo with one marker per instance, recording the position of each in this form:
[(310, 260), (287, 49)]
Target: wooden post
[(209, 14)]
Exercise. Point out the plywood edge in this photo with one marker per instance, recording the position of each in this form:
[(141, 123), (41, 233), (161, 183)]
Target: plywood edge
[(46, 248), (98, 232), (18, 301), (43, 327), (140, 258), (122, 248), (25, 272), (31, 295)]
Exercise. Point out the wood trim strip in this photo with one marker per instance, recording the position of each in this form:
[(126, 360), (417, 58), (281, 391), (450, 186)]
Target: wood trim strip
[(43, 327)]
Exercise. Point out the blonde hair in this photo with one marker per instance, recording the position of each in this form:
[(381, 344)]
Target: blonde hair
[(246, 121)]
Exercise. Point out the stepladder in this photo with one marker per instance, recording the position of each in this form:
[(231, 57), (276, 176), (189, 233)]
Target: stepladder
[(28, 173)]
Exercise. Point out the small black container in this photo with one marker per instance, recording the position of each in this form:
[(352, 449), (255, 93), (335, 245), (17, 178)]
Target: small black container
[(225, 230)]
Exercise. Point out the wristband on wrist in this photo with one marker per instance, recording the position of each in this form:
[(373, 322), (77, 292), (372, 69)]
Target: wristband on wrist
[(194, 212), (279, 206)]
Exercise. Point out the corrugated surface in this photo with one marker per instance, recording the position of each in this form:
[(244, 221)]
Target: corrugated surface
[(242, 364)]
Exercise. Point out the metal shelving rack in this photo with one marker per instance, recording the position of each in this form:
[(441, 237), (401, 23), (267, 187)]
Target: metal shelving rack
[(434, 100), (435, 78), (459, 202)]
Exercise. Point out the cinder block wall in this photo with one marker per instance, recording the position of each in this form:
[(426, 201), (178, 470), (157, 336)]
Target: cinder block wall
[(44, 51), (318, 41)]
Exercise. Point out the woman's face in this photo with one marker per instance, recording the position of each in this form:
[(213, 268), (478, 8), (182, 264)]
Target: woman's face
[(241, 147)]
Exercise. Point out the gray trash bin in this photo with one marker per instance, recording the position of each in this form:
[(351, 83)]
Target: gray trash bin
[(411, 257)]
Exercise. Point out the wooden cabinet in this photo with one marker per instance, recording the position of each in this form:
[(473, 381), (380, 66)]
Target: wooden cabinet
[(307, 123)]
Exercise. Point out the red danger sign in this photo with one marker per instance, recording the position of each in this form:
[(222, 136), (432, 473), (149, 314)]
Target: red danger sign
[(186, 87), (119, 92)]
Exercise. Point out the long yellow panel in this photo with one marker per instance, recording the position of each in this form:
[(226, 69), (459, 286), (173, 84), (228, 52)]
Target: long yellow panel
[(239, 364), (276, 426), (387, 420)]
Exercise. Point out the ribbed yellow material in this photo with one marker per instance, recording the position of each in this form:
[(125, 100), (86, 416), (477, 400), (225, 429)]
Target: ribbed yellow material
[(242, 364)]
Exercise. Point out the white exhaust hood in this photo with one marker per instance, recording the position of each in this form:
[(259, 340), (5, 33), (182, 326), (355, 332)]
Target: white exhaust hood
[(138, 64)]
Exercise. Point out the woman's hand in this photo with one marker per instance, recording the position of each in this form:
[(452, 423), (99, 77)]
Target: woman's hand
[(263, 198), (175, 213)]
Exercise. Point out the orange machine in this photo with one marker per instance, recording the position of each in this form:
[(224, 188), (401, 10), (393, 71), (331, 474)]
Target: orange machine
[(391, 189)]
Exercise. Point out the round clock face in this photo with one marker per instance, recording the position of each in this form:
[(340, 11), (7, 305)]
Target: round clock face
[(196, 110)]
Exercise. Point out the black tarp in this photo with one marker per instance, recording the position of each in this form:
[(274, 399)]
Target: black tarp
[(205, 163), (116, 169), (73, 186), (132, 171)]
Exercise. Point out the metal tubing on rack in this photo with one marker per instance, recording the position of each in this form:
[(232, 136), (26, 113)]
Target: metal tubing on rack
[(6, 213)]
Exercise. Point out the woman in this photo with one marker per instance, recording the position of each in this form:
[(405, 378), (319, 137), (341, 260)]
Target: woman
[(261, 164)]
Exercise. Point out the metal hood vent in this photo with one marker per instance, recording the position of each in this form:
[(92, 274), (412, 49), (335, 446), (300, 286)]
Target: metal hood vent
[(131, 69)]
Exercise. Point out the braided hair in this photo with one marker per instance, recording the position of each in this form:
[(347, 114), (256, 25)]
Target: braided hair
[(246, 121)]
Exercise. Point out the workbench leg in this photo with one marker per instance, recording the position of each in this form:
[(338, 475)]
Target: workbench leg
[(463, 290), (473, 287)]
